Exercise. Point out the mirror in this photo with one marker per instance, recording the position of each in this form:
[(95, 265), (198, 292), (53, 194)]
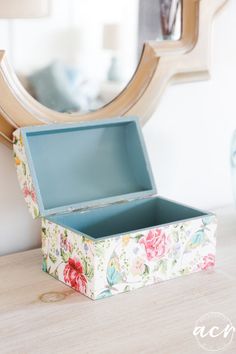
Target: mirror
[(77, 56)]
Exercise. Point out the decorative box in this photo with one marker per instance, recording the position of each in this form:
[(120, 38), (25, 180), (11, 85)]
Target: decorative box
[(104, 229)]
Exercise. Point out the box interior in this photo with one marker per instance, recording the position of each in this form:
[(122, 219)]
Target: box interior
[(131, 216), (78, 164)]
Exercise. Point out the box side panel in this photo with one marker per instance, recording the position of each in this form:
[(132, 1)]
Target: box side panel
[(68, 257), (23, 174), (137, 259)]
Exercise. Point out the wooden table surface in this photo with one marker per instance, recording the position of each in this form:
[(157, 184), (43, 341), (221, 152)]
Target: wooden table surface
[(40, 315)]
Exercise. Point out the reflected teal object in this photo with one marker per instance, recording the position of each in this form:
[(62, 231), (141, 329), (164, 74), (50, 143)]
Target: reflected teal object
[(114, 70), (53, 87)]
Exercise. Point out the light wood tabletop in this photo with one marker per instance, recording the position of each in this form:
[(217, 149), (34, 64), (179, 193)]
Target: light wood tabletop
[(41, 315)]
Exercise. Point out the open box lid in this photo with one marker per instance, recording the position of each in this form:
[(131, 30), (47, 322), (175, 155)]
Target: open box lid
[(83, 165)]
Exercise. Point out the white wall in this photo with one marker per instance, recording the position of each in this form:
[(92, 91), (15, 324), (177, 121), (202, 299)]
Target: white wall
[(188, 139), (189, 136), (17, 229)]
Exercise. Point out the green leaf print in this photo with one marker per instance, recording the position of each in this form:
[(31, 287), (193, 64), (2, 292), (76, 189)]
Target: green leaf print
[(162, 266), (24, 168), (44, 265), (175, 236), (137, 237), (36, 212), (127, 288), (100, 249), (55, 273), (87, 267), (52, 257), (146, 271), (65, 256)]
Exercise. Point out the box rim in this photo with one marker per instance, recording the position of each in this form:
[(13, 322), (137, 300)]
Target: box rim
[(205, 213)]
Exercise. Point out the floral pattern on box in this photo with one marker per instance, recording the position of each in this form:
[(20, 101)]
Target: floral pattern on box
[(101, 268), (24, 175), (68, 257)]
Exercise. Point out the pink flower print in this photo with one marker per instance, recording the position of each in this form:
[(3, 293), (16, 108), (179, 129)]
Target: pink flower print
[(65, 244), (33, 195), (156, 243), (208, 262), (26, 191), (29, 193), (74, 275)]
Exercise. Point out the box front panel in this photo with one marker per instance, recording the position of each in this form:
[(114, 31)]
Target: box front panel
[(68, 257), (137, 259)]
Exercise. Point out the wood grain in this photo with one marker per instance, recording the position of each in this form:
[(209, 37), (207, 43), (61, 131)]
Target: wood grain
[(40, 315), (6, 132)]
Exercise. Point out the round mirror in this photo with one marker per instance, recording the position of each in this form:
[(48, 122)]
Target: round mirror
[(77, 56)]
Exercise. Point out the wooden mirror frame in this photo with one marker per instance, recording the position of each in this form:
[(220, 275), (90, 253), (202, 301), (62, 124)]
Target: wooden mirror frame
[(161, 63)]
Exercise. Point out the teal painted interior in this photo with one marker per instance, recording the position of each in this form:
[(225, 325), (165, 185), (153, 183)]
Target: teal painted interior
[(131, 216), (82, 163)]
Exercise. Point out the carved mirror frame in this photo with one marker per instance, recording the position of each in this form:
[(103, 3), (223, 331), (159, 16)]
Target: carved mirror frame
[(161, 63)]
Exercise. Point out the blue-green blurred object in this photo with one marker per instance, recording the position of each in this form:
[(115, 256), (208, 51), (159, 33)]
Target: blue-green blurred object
[(64, 88), (114, 70), (53, 88)]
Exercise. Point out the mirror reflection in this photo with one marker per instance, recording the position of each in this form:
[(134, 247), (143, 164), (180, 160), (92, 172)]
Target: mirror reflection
[(75, 55)]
